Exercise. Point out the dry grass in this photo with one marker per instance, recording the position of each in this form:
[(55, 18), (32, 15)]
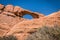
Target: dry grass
[(8, 38), (45, 33)]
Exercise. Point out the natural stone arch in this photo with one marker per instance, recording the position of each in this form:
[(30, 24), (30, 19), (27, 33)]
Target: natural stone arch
[(34, 15)]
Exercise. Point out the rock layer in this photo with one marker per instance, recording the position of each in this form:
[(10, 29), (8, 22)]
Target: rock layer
[(13, 23)]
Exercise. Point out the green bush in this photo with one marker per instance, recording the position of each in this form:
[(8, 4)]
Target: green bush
[(8, 38), (45, 33)]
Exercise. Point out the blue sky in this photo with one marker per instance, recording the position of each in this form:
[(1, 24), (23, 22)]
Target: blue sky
[(43, 6)]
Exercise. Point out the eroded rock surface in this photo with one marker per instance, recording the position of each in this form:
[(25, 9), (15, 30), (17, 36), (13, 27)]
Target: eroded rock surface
[(1, 6), (13, 23)]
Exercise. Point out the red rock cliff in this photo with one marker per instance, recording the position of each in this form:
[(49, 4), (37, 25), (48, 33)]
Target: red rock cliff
[(13, 23)]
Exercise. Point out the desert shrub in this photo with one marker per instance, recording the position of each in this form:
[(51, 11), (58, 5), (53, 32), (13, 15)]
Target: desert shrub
[(10, 37), (45, 33)]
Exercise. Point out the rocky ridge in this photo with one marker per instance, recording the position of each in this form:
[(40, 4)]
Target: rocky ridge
[(13, 23)]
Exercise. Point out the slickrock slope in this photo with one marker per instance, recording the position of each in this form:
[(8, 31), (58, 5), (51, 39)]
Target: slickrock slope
[(13, 23), (30, 26)]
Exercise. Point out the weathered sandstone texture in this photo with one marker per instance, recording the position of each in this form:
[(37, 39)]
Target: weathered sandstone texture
[(13, 23)]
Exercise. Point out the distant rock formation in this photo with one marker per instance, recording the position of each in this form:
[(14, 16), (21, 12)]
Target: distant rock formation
[(13, 23)]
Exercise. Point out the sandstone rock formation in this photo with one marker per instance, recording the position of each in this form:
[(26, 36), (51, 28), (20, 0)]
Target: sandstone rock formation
[(13, 23), (1, 6)]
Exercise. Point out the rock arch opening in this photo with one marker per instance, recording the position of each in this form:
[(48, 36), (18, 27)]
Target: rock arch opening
[(28, 14)]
